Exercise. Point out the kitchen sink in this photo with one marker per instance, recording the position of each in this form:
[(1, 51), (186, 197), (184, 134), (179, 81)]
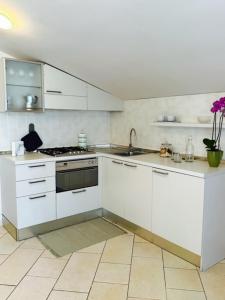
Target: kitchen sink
[(130, 153), (134, 152)]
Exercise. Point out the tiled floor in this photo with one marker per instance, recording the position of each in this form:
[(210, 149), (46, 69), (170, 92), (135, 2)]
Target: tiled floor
[(123, 268)]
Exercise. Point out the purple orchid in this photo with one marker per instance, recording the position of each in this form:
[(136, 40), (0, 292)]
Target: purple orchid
[(217, 107)]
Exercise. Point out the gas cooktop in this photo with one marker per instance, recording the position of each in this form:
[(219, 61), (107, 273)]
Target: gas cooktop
[(65, 151)]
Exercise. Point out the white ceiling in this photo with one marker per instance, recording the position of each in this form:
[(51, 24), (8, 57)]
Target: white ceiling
[(131, 48)]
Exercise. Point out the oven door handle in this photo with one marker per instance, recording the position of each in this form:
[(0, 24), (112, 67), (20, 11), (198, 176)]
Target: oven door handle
[(77, 192)]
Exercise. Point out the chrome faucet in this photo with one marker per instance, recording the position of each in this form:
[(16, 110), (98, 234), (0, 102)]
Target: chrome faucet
[(132, 131)]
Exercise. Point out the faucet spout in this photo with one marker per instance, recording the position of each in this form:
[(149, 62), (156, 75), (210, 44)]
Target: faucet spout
[(131, 134)]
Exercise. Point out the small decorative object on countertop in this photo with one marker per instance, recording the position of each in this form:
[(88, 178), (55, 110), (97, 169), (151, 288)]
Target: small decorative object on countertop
[(214, 152), (166, 150), (82, 140)]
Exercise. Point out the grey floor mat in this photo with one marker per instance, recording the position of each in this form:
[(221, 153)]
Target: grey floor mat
[(72, 238)]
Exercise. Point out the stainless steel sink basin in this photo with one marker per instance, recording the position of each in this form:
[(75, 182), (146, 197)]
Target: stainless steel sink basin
[(130, 153)]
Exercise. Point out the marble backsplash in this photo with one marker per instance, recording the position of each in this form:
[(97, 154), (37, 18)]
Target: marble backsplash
[(140, 113), (56, 128)]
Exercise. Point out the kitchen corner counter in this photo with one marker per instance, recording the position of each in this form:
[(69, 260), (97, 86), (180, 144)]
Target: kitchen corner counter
[(197, 168)]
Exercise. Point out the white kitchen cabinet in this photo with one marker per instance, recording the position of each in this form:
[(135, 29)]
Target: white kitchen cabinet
[(138, 195), (78, 201), (100, 100), (35, 170), (28, 192), (18, 80), (63, 91), (127, 191), (35, 186), (113, 195), (177, 208), (35, 209)]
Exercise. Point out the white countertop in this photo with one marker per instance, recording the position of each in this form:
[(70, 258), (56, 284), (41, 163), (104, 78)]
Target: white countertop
[(197, 168)]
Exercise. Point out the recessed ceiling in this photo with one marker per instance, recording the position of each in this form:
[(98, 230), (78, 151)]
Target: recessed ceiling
[(131, 48)]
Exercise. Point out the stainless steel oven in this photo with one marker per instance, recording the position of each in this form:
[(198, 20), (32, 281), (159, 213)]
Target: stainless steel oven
[(76, 174)]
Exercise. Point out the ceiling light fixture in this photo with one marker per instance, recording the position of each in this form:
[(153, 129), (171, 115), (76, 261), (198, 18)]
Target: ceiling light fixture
[(5, 22)]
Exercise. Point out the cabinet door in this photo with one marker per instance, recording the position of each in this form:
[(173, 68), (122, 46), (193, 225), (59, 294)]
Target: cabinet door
[(65, 102), (100, 100), (78, 201), (138, 200), (177, 210), (113, 186), (59, 82), (35, 209)]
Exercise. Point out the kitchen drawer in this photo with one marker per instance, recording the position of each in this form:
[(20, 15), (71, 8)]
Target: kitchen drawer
[(78, 201), (35, 209), (35, 170), (35, 186)]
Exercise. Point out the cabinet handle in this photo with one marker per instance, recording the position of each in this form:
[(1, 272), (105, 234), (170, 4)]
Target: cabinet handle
[(77, 192), (56, 92), (159, 172), (117, 162), (38, 181), (31, 198), (37, 166), (132, 166)]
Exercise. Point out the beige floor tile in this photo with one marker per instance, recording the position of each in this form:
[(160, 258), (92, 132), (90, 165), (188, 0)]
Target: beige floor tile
[(97, 248), (32, 243), (183, 279), (8, 244), (147, 250), (185, 295), (5, 291), (61, 295), (48, 254), (173, 261), (3, 257), (17, 265), (78, 273), (218, 269), (2, 231), (147, 279), (138, 239), (113, 273), (47, 267), (33, 288), (214, 285), (107, 291), (118, 250)]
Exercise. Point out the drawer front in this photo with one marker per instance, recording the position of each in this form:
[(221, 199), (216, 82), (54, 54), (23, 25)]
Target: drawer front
[(35, 186), (36, 170), (35, 209), (78, 201)]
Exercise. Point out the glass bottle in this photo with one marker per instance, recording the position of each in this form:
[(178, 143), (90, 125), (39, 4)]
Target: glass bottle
[(189, 153)]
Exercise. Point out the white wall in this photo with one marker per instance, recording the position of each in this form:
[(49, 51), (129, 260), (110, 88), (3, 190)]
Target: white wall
[(140, 113)]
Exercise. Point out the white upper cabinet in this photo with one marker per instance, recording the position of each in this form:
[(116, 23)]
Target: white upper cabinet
[(63, 91), (59, 82), (20, 85), (100, 100)]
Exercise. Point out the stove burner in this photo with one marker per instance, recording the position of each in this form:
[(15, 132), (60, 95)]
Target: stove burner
[(65, 151)]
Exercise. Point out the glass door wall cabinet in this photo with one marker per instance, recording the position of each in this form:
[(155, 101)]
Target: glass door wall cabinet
[(21, 85)]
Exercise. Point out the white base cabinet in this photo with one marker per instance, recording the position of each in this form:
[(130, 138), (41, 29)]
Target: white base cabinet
[(177, 208), (35, 209), (127, 190), (78, 201)]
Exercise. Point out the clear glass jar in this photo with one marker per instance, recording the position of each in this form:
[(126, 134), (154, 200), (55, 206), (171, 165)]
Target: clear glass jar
[(189, 153)]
